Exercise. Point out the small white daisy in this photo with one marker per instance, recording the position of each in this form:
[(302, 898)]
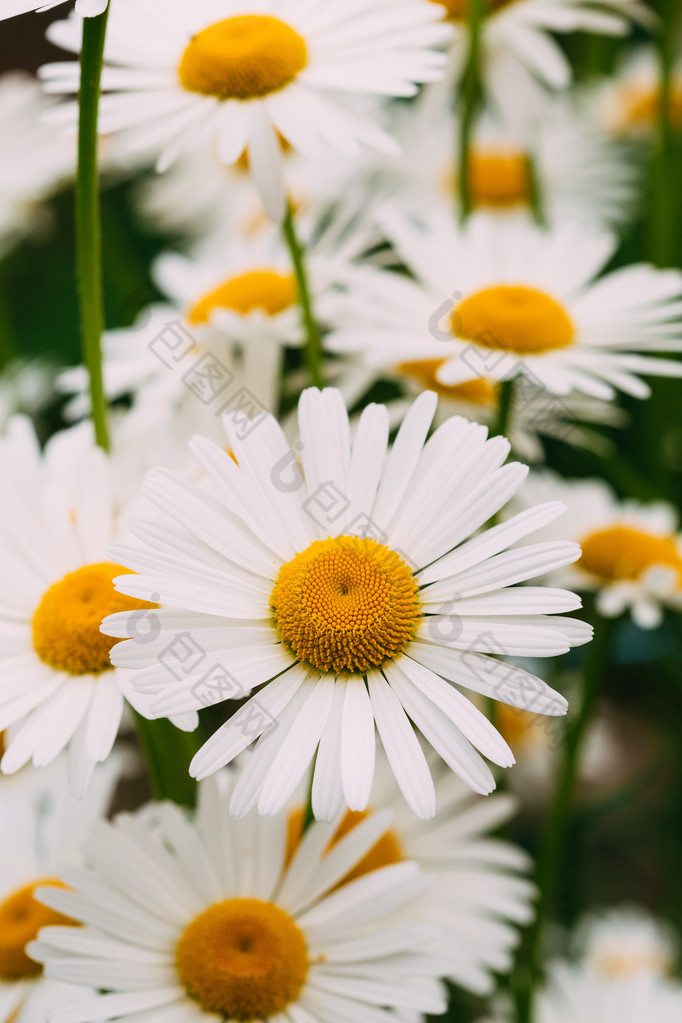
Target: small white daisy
[(42, 827), (628, 103), (249, 73), (631, 552), (208, 920), (520, 60), (57, 685), (84, 8), (574, 994), (504, 299), (480, 893), (625, 942), (356, 593)]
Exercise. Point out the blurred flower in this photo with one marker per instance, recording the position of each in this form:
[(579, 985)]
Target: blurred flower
[(575, 994), (628, 103), (182, 75), (625, 942), (204, 919), (26, 386), (504, 299), (43, 827), (321, 589), (57, 685), (85, 8), (631, 553)]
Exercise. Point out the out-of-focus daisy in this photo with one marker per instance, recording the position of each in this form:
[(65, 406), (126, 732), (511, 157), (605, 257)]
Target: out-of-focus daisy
[(358, 591), (205, 920), (43, 827), (479, 894), (625, 942), (57, 685), (576, 168), (40, 161), (520, 60), (631, 553), (628, 103), (26, 386), (84, 8), (503, 298), (248, 75), (575, 994)]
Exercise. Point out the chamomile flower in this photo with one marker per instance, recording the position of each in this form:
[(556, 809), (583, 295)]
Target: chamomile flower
[(631, 552), (43, 827), (84, 8), (520, 60), (248, 73), (628, 104), (505, 299), (353, 594), (574, 994), (480, 893), (205, 919), (57, 685), (625, 942)]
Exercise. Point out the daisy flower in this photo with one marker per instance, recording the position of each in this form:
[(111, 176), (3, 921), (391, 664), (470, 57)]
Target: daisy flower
[(26, 386), (631, 552), (505, 299), (57, 685), (205, 920), (575, 994), (628, 103), (625, 942), (248, 73), (519, 58), (480, 893), (43, 827), (355, 593), (84, 8)]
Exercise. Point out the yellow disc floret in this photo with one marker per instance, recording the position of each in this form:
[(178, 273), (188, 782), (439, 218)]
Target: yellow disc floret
[(21, 917), (264, 290), (623, 552), (513, 318), (346, 604), (66, 622), (244, 959), (499, 179), (425, 372), (245, 57), (458, 10)]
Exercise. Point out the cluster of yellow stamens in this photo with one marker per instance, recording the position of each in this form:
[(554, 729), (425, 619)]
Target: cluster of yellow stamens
[(346, 604), (244, 959), (66, 622), (499, 179), (21, 917), (245, 57), (622, 552), (478, 392), (265, 290), (513, 318)]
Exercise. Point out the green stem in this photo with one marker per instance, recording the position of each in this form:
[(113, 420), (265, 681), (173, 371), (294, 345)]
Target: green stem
[(313, 345), (537, 204), (553, 844), (168, 752), (88, 227), (470, 99), (505, 407), (663, 206)]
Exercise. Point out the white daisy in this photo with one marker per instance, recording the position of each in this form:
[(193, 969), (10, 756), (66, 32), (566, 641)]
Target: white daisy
[(628, 102), (84, 8), (57, 685), (631, 553), (26, 387), (625, 942), (575, 994), (579, 170), (247, 73), (520, 60), (355, 594), (206, 920), (43, 827), (505, 299), (40, 162), (479, 895)]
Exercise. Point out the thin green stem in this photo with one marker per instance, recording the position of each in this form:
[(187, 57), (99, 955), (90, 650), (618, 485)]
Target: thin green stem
[(88, 225), (663, 200), (168, 752), (505, 408), (557, 825), (536, 197), (313, 345), (469, 103)]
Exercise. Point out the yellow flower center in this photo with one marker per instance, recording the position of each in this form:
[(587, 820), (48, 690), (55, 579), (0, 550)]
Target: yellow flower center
[(621, 552), (266, 290), (520, 728), (346, 604), (245, 57), (499, 179), (21, 917), (66, 622), (424, 371), (513, 318), (244, 959), (627, 962), (642, 106), (458, 10), (386, 851)]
